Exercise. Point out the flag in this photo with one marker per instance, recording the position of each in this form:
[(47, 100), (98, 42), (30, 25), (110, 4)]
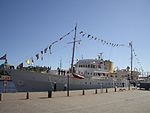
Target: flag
[(45, 50), (61, 38), (50, 49), (41, 57), (54, 42), (68, 33), (88, 36), (130, 43), (37, 56), (95, 38), (28, 62), (92, 37), (81, 32), (20, 66), (3, 57), (32, 61)]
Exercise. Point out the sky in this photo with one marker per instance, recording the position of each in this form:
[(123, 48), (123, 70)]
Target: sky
[(29, 26)]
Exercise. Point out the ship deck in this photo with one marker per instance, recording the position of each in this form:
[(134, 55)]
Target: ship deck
[(122, 101)]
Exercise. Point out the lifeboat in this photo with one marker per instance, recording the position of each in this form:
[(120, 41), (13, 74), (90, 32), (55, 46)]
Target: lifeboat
[(78, 76)]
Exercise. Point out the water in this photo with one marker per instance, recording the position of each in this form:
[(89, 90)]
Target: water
[(9, 87)]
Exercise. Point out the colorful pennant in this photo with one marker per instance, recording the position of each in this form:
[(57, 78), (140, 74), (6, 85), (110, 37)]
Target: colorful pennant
[(83, 34)]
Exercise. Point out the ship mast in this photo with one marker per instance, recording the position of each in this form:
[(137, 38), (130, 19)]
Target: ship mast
[(73, 51), (131, 65), (131, 57)]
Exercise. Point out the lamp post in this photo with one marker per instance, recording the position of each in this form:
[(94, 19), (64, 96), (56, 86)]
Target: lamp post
[(129, 82), (129, 77)]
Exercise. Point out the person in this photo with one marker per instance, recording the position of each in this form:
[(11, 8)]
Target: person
[(55, 86), (134, 84), (58, 71), (65, 87), (123, 84)]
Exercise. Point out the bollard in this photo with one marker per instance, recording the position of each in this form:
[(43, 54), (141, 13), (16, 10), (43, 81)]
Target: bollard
[(115, 89), (101, 90), (27, 96), (49, 94), (106, 90), (0, 96), (129, 87), (83, 92), (95, 91)]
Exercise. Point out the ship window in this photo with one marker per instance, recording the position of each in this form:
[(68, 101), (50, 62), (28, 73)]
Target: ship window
[(90, 83), (88, 73), (99, 66), (88, 66), (95, 74)]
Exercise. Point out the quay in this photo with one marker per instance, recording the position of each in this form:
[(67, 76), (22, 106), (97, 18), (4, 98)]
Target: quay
[(121, 101)]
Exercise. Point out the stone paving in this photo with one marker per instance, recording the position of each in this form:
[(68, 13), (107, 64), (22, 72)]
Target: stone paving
[(123, 101)]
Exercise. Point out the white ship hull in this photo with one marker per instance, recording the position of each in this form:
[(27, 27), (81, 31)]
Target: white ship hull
[(36, 82)]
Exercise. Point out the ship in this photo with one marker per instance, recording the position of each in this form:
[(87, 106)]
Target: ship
[(88, 74), (84, 74)]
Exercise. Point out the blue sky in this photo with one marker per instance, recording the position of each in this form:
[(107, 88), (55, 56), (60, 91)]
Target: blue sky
[(29, 26)]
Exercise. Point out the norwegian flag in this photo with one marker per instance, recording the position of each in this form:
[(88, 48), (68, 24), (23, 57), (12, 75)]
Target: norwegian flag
[(3, 57)]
